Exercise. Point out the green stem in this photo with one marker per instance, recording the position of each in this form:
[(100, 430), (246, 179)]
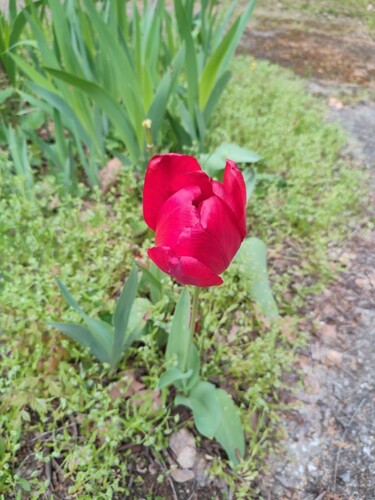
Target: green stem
[(193, 320)]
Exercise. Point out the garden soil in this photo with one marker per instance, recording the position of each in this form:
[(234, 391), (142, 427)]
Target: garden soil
[(329, 449)]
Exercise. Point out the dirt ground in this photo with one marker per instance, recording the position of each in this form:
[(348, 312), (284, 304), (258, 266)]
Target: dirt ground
[(329, 450)]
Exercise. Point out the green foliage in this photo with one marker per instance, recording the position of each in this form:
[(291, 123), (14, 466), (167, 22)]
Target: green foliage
[(352, 9), (214, 412), (210, 42), (214, 162), (109, 343), (12, 25), (62, 408), (303, 189), (97, 70), (252, 261)]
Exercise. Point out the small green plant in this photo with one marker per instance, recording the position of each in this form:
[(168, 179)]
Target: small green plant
[(12, 26), (108, 343), (210, 40)]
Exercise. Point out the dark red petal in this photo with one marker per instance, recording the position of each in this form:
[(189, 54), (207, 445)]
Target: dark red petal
[(186, 270), (177, 214), (233, 192), (219, 222), (160, 182)]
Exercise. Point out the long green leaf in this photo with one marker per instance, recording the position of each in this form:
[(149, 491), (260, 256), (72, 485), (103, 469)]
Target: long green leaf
[(191, 66), (229, 432), (171, 376), (84, 337), (164, 92), (137, 319), (221, 57), (252, 257), (102, 331), (122, 313), (179, 337), (108, 105), (205, 406)]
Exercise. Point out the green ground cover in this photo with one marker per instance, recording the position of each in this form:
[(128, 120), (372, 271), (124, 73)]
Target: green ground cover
[(361, 10), (58, 404)]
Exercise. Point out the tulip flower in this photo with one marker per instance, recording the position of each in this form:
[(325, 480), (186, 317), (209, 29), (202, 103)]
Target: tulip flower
[(199, 222)]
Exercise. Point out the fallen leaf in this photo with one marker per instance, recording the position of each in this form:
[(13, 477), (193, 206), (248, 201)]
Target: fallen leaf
[(334, 357), (182, 475), (327, 334), (109, 174), (335, 103), (126, 386)]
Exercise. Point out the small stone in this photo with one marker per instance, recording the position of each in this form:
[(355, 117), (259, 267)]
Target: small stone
[(182, 475), (180, 440), (345, 476), (328, 334), (334, 357), (200, 469), (186, 457)]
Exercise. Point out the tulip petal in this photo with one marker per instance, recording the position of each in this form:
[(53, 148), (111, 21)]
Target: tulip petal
[(218, 221), (165, 175), (233, 193), (186, 270), (198, 243), (177, 214), (235, 187)]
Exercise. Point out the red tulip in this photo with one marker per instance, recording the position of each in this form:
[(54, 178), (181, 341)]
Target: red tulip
[(199, 222)]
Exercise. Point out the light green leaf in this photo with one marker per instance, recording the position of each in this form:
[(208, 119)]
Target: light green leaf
[(84, 337), (229, 432), (194, 366), (4, 94), (191, 65), (205, 406), (69, 297), (111, 108), (250, 177), (212, 69), (236, 153), (252, 257), (171, 376), (215, 162), (179, 337), (102, 331), (137, 319), (2, 448), (122, 313)]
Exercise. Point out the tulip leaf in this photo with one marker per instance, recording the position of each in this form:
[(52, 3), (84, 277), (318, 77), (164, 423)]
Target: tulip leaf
[(179, 337), (84, 337), (215, 162), (237, 153), (102, 331), (205, 406), (137, 319), (252, 257), (229, 432), (194, 366), (122, 313), (250, 177), (173, 375), (152, 277), (69, 297)]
